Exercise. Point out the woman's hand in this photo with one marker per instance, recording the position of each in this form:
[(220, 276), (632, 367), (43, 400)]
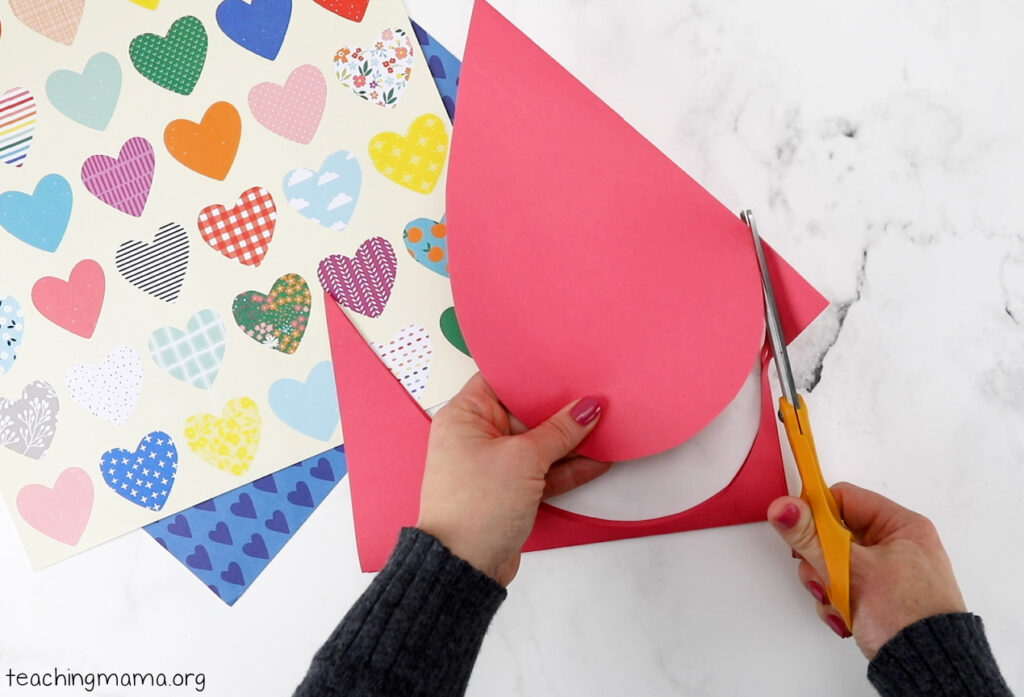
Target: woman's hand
[(486, 474), (899, 571)]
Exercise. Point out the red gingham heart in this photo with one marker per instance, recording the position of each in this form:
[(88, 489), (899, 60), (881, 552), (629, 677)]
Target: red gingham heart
[(244, 231)]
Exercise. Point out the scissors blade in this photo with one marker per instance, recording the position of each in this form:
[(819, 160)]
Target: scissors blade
[(775, 335)]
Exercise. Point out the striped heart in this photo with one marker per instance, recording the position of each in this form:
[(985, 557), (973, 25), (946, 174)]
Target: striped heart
[(244, 231), (17, 125), (157, 268), (122, 183), (55, 19), (362, 283)]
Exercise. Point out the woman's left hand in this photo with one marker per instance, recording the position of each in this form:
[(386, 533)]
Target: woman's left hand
[(486, 474)]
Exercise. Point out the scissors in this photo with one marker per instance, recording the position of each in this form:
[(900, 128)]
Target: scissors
[(833, 535)]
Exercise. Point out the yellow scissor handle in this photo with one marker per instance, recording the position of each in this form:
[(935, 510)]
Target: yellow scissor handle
[(833, 535)]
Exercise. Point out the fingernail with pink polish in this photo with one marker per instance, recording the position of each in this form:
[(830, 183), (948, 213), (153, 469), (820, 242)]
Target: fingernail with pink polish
[(789, 516), (586, 410), (838, 626), (818, 592)]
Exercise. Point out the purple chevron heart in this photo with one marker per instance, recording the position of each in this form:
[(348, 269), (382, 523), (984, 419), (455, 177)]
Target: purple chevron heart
[(207, 505), (123, 183), (199, 560), (278, 523), (244, 507), (256, 548), (180, 527), (233, 574), (222, 534), (323, 470), (301, 495), (266, 483), (362, 283)]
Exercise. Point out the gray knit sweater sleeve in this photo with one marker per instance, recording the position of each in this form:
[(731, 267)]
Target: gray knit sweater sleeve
[(941, 656), (416, 631)]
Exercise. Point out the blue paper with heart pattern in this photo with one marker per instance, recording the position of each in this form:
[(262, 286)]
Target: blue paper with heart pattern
[(228, 540)]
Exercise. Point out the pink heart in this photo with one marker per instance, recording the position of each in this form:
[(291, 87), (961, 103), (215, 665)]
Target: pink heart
[(54, 19), (73, 304), (122, 183), (61, 512), (362, 283), (294, 110)]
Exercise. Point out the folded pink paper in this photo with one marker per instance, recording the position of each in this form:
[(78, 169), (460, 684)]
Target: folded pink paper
[(583, 261)]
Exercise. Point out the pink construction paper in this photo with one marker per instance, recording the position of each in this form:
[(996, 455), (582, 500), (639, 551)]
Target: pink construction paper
[(386, 434), (584, 262)]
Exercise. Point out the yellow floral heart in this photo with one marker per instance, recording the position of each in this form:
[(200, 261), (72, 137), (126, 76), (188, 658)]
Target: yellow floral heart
[(229, 442), (416, 159), (148, 4)]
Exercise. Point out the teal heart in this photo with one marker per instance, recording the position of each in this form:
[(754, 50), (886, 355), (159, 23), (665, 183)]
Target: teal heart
[(310, 407), (193, 355), (40, 218), (89, 97)]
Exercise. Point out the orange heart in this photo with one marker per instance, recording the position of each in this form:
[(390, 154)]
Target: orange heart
[(208, 147)]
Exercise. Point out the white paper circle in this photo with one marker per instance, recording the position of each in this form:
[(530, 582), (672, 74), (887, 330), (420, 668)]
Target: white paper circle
[(677, 479)]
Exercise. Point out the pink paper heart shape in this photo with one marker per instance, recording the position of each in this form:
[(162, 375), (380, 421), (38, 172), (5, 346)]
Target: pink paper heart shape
[(73, 304), (61, 512), (362, 283), (293, 110), (54, 19), (123, 183)]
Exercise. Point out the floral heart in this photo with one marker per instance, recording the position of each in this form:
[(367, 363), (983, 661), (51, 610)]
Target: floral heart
[(229, 442), (28, 424), (276, 319), (379, 74), (426, 241)]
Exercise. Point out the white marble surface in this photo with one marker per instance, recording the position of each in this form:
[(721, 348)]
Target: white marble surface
[(881, 145)]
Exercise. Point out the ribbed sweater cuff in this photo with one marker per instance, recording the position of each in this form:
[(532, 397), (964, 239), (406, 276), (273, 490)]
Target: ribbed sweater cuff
[(416, 631), (940, 656)]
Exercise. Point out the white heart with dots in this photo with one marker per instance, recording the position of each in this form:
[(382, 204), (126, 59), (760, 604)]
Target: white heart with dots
[(111, 389), (408, 355)]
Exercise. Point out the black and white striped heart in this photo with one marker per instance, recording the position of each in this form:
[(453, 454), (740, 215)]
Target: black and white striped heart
[(157, 268)]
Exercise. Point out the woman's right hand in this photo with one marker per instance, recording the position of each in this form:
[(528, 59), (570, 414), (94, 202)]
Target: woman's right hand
[(899, 571)]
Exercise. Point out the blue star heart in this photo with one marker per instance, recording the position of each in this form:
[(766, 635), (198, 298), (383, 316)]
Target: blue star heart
[(143, 476)]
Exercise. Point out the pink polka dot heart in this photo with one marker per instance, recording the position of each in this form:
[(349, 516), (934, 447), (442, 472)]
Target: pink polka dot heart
[(293, 110)]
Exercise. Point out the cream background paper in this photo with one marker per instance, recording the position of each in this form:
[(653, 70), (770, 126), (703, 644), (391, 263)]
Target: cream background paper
[(212, 281)]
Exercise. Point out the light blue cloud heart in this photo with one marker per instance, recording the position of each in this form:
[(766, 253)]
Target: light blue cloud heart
[(12, 331), (89, 97), (310, 407), (40, 218), (327, 197)]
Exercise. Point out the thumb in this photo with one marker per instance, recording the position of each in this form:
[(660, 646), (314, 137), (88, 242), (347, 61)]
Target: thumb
[(791, 517), (564, 430)]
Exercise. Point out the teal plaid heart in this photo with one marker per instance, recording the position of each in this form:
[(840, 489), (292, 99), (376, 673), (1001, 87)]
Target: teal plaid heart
[(193, 355)]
